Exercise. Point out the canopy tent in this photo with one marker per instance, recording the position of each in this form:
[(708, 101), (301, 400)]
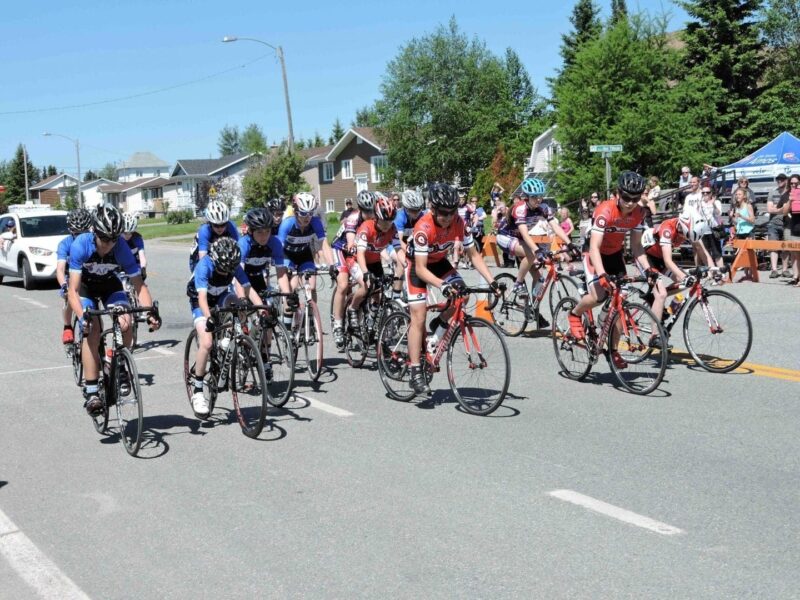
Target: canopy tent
[(781, 155)]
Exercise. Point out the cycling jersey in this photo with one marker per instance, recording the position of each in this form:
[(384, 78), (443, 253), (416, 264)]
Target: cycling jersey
[(349, 225), (96, 269), (522, 214), (205, 236), (207, 279), (372, 240), (298, 244), (666, 234), (256, 259), (465, 212), (136, 244), (404, 224), (435, 242), (609, 220), (62, 252)]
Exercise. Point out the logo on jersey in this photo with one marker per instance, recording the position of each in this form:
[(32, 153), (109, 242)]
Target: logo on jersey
[(363, 236), (667, 234), (601, 222), (420, 239)]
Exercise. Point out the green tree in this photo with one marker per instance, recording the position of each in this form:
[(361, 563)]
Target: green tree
[(318, 141), (586, 26), (366, 116), (336, 133), (253, 140), (445, 105), (90, 175), (281, 174), (229, 141), (109, 171), (15, 177), (781, 34), (619, 11)]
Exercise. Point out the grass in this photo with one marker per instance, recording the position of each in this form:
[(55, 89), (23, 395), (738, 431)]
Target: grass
[(159, 230)]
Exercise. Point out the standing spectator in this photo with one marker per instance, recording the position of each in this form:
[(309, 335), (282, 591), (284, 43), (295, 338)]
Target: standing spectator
[(711, 210), (775, 227), (348, 209), (499, 216), (691, 210), (585, 211), (478, 217), (742, 215), (565, 221), (649, 206), (792, 209), (655, 193), (396, 201), (744, 184), (685, 177)]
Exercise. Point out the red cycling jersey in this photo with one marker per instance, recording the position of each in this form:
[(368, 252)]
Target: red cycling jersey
[(609, 220), (372, 240), (668, 234), (434, 242)]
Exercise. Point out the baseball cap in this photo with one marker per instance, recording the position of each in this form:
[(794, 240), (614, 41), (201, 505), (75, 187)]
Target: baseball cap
[(781, 177)]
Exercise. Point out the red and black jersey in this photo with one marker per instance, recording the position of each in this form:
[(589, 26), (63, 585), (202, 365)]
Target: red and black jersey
[(609, 220), (372, 240), (435, 242)]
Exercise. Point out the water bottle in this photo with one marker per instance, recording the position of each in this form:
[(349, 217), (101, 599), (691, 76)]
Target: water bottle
[(676, 304), (433, 338)]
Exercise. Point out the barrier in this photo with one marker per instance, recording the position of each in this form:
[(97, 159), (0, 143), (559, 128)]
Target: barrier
[(746, 254), (490, 245), (482, 311)]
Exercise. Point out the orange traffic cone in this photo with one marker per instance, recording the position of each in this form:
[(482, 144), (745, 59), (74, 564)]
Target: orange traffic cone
[(482, 311)]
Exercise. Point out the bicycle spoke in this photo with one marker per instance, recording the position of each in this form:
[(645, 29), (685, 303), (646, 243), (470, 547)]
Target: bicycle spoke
[(393, 359), (718, 332), (248, 383), (573, 356), (639, 342), (129, 405)]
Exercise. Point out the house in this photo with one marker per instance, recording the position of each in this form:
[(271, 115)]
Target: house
[(141, 195), (544, 151), (191, 180), (141, 165), (53, 189), (352, 164), (90, 190)]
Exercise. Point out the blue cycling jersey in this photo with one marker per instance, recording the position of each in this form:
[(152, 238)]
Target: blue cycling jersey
[(96, 269), (206, 236), (62, 252), (297, 243), (404, 224), (256, 258), (207, 279), (136, 244)]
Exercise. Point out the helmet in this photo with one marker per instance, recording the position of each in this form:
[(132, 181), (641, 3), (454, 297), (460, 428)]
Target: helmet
[(442, 195), (130, 223), (276, 205), (412, 200), (79, 220), (305, 202), (365, 200), (259, 218), (691, 226), (385, 210), (217, 212), (631, 183), (533, 187), (226, 254), (108, 221)]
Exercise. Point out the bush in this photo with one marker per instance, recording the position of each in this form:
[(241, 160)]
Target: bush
[(332, 219), (179, 216)]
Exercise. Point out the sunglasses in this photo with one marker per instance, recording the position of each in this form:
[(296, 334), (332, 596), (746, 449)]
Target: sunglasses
[(106, 239), (446, 213), (705, 193), (629, 199), (219, 225), (303, 214)]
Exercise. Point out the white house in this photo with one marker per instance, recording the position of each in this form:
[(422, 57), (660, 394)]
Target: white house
[(92, 196), (543, 152), (142, 165), (53, 189), (136, 196), (190, 181)]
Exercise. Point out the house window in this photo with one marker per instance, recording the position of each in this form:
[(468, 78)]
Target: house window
[(330, 205), (158, 172), (347, 169), (358, 139), (327, 171), (138, 173), (377, 163)]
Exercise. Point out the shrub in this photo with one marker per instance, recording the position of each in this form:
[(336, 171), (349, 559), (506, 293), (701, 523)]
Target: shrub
[(179, 216)]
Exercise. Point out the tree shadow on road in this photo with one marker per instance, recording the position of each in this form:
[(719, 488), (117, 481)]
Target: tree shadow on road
[(152, 344)]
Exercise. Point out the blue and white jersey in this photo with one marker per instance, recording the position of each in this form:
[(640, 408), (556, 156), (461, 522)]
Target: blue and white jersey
[(298, 245), (96, 269), (404, 224), (62, 252), (207, 279), (257, 259), (206, 236), (136, 244)]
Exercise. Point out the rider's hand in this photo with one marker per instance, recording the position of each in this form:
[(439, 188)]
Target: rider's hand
[(63, 292), (154, 320), (574, 251), (447, 290), (689, 281), (211, 324), (496, 288), (292, 301), (333, 271), (652, 274), (605, 282), (540, 257)]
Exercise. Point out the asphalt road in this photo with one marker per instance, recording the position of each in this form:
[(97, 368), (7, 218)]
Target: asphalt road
[(693, 492)]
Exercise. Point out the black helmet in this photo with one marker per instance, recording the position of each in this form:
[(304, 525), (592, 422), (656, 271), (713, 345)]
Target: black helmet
[(276, 205), (79, 220), (442, 195), (108, 221), (226, 254), (631, 183), (259, 218)]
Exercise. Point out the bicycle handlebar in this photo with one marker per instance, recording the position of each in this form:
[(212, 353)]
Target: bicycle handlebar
[(120, 310)]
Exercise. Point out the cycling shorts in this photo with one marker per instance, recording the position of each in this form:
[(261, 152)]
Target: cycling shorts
[(344, 262), (418, 289), (614, 264), (258, 281), (224, 300), (109, 293)]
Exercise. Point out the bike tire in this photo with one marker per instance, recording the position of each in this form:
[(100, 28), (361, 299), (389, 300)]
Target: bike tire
[(248, 386), (508, 311), (134, 302), (485, 346), (392, 356), (313, 348), (281, 357), (209, 385), (77, 355), (646, 364), (573, 356), (733, 320), (565, 286), (130, 413)]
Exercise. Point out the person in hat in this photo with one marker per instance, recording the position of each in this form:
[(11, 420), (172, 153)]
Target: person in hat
[(775, 227)]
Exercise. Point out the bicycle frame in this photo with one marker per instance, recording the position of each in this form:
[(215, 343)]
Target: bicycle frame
[(615, 305)]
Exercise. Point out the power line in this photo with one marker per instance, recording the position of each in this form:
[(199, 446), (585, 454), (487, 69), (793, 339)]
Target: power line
[(139, 95)]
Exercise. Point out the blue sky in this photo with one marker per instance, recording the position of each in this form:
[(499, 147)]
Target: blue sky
[(64, 53)]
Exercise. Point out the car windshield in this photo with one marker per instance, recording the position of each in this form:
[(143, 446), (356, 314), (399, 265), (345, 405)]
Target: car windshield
[(41, 225)]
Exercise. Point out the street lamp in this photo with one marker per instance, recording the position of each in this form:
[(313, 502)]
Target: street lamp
[(78, 154), (279, 52)]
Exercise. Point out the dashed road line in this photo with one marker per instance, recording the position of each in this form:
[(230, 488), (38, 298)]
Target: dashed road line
[(328, 408), (615, 512), (39, 369), (32, 301)]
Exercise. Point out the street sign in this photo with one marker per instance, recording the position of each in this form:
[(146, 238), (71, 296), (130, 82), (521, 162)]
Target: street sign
[(606, 148)]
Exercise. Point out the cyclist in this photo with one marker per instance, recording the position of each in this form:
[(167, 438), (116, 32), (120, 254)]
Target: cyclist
[(135, 242), (604, 250), (276, 207), (372, 237), (219, 225), (94, 259), (78, 221), (434, 236), (515, 236), (344, 247), (210, 286)]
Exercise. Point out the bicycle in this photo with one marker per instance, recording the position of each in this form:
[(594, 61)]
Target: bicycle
[(307, 328), (118, 371), (626, 327), (275, 344), (721, 319), (378, 304), (235, 365), (133, 301), (485, 352), (512, 312)]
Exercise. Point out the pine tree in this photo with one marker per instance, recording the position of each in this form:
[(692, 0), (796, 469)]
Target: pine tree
[(253, 140), (15, 179), (318, 141), (619, 10), (586, 26), (336, 133), (90, 175), (229, 141)]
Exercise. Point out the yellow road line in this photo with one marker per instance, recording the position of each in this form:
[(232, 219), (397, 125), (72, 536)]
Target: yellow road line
[(748, 368)]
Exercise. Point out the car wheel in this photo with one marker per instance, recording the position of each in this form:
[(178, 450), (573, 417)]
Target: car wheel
[(28, 281), (1, 279)]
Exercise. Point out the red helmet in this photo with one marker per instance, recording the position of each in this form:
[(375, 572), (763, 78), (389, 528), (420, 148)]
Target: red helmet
[(385, 209)]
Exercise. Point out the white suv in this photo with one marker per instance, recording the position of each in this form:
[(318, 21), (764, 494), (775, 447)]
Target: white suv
[(28, 244)]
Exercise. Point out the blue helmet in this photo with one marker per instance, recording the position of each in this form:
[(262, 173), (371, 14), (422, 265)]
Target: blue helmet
[(533, 186)]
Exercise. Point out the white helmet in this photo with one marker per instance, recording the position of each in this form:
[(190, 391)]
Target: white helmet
[(692, 226), (130, 223), (217, 212), (305, 202), (365, 200), (412, 200)]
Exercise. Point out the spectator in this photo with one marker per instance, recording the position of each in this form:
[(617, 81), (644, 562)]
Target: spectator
[(565, 221), (792, 209), (655, 193), (691, 209), (585, 212), (348, 209), (775, 227), (396, 201), (711, 210), (649, 206), (478, 217), (742, 215), (744, 184), (685, 178), (499, 215)]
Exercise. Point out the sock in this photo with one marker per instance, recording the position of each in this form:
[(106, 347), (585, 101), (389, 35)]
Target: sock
[(337, 323), (91, 386)]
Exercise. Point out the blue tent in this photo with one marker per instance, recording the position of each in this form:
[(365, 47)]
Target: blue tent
[(781, 155)]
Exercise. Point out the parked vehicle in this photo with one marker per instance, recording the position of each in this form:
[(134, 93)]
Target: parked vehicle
[(28, 243)]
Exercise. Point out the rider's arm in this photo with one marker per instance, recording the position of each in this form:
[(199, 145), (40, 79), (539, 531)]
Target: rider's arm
[(203, 240), (637, 249), (480, 264), (560, 233), (421, 268), (243, 287), (78, 254), (595, 240), (361, 258), (202, 302), (677, 273), (73, 295), (61, 272)]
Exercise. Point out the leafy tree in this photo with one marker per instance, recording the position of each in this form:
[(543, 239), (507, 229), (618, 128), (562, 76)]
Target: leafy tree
[(781, 34), (253, 140), (366, 116), (15, 177), (619, 11), (229, 141), (108, 172), (281, 174), (90, 175), (336, 133), (586, 26)]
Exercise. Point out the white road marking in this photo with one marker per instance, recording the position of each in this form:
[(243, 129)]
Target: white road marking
[(31, 301), (319, 405), (137, 358), (33, 566), (164, 351), (615, 512)]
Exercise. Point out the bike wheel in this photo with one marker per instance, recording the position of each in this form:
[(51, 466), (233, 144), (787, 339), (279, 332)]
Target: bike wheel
[(478, 366), (564, 286), (134, 302), (129, 407), (508, 310), (100, 420), (248, 386), (646, 361), (355, 346), (279, 354), (718, 331), (393, 359), (312, 340), (573, 356), (209, 383), (77, 356)]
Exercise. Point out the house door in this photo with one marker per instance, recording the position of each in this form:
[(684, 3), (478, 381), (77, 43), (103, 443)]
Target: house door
[(362, 183)]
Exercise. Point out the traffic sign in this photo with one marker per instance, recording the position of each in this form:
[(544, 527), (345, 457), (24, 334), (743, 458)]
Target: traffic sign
[(606, 148)]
